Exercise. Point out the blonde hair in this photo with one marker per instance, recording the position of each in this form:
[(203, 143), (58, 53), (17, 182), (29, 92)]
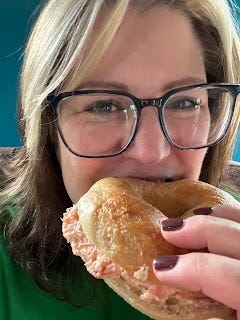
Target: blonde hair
[(53, 53), (62, 50)]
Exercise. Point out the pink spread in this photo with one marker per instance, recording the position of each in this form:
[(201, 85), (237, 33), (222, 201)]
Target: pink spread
[(101, 266), (96, 263)]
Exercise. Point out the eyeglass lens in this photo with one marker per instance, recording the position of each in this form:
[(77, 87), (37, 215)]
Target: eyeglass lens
[(97, 124), (103, 124), (198, 117)]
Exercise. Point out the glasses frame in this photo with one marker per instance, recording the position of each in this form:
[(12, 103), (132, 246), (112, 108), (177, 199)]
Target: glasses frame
[(53, 101)]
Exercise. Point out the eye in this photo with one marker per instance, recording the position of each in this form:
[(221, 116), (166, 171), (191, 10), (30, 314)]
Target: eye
[(103, 107), (184, 104)]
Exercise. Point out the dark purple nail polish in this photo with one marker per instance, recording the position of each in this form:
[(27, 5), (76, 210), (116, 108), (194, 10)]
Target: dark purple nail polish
[(165, 262), (172, 224), (203, 211)]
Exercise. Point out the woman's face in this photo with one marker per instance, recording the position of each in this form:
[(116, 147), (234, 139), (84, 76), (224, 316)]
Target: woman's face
[(152, 53)]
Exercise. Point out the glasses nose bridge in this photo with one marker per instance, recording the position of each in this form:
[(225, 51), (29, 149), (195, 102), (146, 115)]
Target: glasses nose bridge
[(156, 102)]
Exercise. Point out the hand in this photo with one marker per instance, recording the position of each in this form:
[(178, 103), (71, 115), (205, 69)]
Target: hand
[(217, 273)]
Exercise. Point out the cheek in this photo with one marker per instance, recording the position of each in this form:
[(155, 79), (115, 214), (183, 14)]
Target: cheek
[(192, 160), (79, 174)]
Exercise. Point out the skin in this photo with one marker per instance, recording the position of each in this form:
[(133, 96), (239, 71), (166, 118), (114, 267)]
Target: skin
[(152, 53), (217, 273), (174, 60)]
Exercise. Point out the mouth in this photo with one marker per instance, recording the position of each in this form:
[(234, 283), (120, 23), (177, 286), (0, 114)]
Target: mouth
[(168, 180), (154, 179)]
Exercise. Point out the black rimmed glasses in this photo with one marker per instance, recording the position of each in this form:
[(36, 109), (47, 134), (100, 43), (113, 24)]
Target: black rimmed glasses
[(103, 123)]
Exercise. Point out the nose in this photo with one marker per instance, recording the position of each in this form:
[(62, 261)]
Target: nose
[(149, 145)]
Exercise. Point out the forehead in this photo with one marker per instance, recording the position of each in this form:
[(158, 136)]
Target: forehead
[(151, 47)]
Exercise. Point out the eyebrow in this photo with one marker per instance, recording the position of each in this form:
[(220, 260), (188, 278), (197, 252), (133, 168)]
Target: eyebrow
[(105, 84), (186, 81)]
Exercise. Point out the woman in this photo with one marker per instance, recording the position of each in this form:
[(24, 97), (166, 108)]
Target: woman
[(130, 51)]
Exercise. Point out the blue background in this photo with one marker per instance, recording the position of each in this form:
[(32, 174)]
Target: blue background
[(16, 19)]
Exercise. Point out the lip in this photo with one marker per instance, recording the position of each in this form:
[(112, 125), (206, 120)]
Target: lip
[(164, 174), (152, 179)]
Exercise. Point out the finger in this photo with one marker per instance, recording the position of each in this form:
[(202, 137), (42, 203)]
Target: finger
[(230, 213), (216, 276), (219, 235)]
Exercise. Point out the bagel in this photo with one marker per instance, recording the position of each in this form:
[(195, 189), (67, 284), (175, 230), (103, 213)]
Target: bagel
[(115, 229)]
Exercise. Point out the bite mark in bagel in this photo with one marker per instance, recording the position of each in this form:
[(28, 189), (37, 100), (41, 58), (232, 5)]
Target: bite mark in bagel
[(115, 229)]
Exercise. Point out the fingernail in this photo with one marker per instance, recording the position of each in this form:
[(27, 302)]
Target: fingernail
[(203, 211), (172, 224), (164, 262)]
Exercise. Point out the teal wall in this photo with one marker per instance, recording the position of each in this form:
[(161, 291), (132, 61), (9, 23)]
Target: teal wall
[(16, 18)]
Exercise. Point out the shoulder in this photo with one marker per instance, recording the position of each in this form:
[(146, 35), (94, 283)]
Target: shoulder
[(233, 172), (231, 179), (7, 154)]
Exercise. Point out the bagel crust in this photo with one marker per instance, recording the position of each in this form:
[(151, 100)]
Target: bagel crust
[(119, 222)]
